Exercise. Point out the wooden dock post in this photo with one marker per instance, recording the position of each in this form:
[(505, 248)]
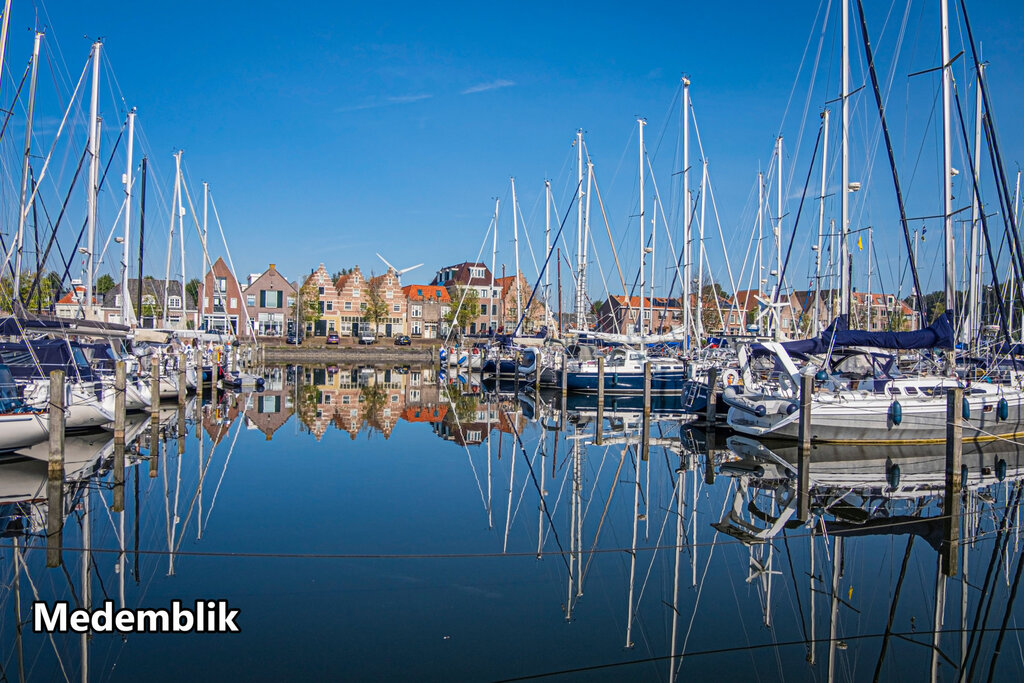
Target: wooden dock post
[(600, 400), (647, 410), (803, 479), (182, 382), (565, 385), (154, 384), (709, 413), (120, 382), (55, 472), (154, 444), (951, 501)]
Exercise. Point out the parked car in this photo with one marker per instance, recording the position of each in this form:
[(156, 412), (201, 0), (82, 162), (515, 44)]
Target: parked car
[(293, 339), (403, 340), (333, 338), (367, 338)]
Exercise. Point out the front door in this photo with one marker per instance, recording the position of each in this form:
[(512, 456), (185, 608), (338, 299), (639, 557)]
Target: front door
[(387, 330), (355, 329)]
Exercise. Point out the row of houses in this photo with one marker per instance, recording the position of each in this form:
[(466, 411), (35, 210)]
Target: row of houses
[(749, 311)]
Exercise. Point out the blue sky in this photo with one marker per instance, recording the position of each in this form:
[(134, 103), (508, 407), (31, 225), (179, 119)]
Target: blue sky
[(331, 131)]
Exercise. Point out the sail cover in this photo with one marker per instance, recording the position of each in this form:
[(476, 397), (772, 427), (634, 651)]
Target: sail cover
[(938, 335)]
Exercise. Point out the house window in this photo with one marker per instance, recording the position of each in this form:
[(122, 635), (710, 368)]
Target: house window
[(419, 292), (416, 327), (250, 299), (397, 308), (345, 400), (387, 295), (222, 284), (494, 309), (476, 272), (348, 305), (415, 311), (270, 298), (362, 306), (174, 302), (483, 309), (234, 302), (291, 301), (322, 291)]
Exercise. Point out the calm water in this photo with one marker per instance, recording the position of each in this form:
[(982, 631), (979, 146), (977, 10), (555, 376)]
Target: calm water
[(371, 525)]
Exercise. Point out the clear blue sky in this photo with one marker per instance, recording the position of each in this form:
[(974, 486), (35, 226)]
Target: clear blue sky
[(331, 131)]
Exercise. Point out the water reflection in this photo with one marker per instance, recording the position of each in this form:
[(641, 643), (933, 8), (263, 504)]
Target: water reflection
[(496, 533)]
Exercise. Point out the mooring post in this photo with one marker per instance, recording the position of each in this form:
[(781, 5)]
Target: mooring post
[(154, 444), (709, 413), (803, 479), (951, 501), (120, 381), (600, 400), (154, 384), (647, 409), (565, 385), (214, 380), (55, 472), (182, 383)]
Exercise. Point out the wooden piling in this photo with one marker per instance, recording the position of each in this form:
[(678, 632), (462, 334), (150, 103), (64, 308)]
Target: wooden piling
[(709, 413), (154, 384), (120, 382), (55, 472), (647, 410), (951, 501), (600, 400), (182, 381), (154, 444), (803, 480)]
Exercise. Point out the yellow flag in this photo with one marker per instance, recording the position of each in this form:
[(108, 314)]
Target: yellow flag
[(860, 243)]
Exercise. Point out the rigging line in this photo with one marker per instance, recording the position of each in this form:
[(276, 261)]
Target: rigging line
[(1006, 617), (714, 204), (604, 513), (547, 259), (533, 476), (35, 592), (465, 290), (458, 426), (796, 223), (234, 273), (607, 226)]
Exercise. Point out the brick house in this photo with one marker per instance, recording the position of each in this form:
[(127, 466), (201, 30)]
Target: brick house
[(269, 299), (222, 305), (508, 305), (327, 295), (617, 315), (477, 276), (352, 296), (389, 288), (181, 310), (426, 306)]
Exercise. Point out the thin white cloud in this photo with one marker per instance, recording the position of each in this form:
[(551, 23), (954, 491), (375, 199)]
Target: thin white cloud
[(386, 102), (484, 87)]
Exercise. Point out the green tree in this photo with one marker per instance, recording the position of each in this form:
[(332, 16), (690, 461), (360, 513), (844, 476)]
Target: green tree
[(376, 310), (104, 283), (461, 316), (307, 306), (192, 288), (42, 295)]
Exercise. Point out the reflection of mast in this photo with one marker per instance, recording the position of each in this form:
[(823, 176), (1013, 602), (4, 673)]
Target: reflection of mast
[(490, 518), (632, 552), (85, 577), (17, 585), (938, 617), (675, 579), (511, 482), (837, 562)]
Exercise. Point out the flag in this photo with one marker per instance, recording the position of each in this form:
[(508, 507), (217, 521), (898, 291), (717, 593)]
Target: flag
[(860, 243)]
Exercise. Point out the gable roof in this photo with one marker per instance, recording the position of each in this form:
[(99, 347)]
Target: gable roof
[(426, 293)]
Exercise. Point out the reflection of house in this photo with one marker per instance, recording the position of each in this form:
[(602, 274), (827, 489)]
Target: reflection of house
[(353, 398), (222, 306), (217, 420), (269, 299), (180, 310), (272, 407), (426, 306)]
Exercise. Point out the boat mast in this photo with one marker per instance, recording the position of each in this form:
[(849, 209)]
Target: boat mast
[(760, 237), (777, 311), (207, 265), (700, 254), (142, 237), (947, 161), (23, 210), (821, 226), (94, 172), (515, 242), (494, 256), (181, 243), (586, 235), (687, 213), (974, 301), (547, 247), (126, 306), (844, 226), (870, 298), (643, 250), (581, 242), (170, 235)]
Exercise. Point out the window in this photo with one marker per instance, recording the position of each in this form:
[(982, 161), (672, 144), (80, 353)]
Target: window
[(483, 293), (174, 302), (387, 294), (329, 306), (291, 301), (476, 272), (419, 292), (206, 302), (362, 306), (322, 291), (345, 400), (483, 309), (348, 305), (415, 311), (250, 299), (416, 327), (270, 298), (494, 309), (234, 302), (398, 308), (222, 284)]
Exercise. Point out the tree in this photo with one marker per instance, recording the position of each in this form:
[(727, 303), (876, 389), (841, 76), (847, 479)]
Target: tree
[(376, 310), (42, 295), (464, 310), (192, 288), (307, 307), (104, 283)]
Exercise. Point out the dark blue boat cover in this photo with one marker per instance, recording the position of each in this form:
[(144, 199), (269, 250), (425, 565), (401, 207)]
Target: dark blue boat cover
[(937, 335)]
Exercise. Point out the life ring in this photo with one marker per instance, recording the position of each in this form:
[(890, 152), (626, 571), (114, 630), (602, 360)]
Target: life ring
[(730, 377)]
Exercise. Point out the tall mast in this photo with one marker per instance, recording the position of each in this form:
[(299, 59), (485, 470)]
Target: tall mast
[(126, 306), (206, 264), (974, 301), (515, 243), (700, 252), (687, 213), (776, 310), (494, 256), (94, 172), (170, 237), (181, 243), (23, 210), (547, 246), (947, 161), (586, 235), (643, 241), (821, 225), (760, 235), (844, 190), (581, 264), (142, 239), (870, 298)]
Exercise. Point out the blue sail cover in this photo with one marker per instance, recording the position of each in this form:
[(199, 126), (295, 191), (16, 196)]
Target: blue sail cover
[(938, 335)]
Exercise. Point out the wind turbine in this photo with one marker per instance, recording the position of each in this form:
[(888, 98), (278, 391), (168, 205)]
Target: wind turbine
[(397, 271)]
